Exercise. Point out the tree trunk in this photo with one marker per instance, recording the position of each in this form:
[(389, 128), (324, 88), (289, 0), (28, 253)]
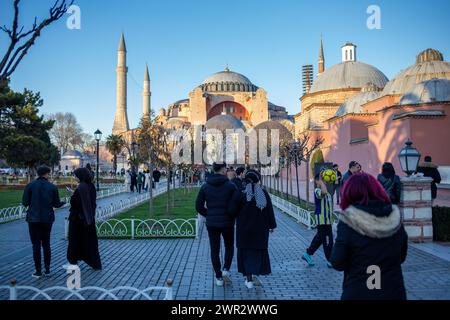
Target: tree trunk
[(150, 204), (307, 180), (291, 192)]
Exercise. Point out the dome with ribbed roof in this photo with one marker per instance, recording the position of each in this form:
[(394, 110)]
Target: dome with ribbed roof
[(349, 74), (429, 64), (223, 122), (354, 104), (434, 90), (227, 81), (72, 154), (283, 132)]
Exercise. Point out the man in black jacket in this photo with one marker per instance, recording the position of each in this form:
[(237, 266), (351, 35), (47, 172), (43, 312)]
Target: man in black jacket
[(156, 176), (41, 196), (239, 179), (429, 169), (212, 203)]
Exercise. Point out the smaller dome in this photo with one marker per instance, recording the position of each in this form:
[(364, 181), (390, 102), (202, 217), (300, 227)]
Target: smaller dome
[(434, 90), (355, 103), (72, 154), (429, 55), (284, 133), (176, 122), (223, 122)]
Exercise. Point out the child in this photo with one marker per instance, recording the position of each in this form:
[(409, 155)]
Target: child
[(324, 220)]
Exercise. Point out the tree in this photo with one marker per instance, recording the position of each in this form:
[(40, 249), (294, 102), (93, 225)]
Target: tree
[(20, 41), (67, 132), (115, 144)]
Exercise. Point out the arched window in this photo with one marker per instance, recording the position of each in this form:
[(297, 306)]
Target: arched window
[(346, 55)]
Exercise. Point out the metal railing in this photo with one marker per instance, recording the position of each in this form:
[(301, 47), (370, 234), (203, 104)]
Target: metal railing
[(301, 215), (16, 292), (19, 212)]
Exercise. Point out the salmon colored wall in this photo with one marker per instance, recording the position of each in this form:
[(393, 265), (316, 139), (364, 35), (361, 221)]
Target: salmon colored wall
[(380, 103)]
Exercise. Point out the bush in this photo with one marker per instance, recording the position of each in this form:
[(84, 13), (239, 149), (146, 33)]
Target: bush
[(441, 223)]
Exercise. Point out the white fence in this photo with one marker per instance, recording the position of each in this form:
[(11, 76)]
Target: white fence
[(16, 292), (19, 212), (299, 214)]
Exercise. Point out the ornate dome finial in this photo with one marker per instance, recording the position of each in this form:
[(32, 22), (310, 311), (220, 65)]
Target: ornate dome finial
[(429, 55), (226, 68)]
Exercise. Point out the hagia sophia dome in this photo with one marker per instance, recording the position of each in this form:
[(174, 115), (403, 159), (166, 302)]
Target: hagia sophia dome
[(429, 64), (228, 81)]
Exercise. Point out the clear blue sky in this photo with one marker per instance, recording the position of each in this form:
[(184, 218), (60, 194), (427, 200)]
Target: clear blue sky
[(185, 41)]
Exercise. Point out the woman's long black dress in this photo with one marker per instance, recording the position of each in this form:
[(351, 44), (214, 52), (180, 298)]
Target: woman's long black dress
[(83, 241), (252, 234)]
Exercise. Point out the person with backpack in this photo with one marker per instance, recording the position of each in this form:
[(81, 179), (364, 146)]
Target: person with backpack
[(390, 182)]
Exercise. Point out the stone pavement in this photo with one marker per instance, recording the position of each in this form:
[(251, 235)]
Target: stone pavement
[(146, 263)]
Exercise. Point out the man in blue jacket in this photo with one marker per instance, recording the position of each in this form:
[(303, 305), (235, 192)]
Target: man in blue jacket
[(212, 203), (41, 196)]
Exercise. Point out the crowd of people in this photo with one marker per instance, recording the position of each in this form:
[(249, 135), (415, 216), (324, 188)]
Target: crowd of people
[(239, 210)]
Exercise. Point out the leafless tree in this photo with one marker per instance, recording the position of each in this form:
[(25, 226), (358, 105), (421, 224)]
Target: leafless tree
[(21, 41), (67, 132)]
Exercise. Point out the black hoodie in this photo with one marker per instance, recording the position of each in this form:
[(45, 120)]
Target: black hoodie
[(371, 235), (212, 201)]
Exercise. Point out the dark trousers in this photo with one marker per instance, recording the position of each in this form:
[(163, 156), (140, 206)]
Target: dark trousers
[(40, 237), (337, 190), (323, 237), (214, 241), (139, 187)]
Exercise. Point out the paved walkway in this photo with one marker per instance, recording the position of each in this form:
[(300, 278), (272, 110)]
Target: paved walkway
[(146, 263)]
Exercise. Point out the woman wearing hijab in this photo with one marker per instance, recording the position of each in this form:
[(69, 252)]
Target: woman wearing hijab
[(390, 182), (255, 220), (83, 242)]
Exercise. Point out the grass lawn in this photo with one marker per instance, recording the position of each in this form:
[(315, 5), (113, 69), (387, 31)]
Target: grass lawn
[(165, 226), (12, 198), (302, 204)]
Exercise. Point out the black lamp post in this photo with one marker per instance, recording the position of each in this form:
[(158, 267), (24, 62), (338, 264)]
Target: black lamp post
[(133, 150), (98, 137), (409, 158), (295, 151)]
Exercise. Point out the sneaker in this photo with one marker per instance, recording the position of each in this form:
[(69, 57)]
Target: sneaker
[(47, 272), (309, 259), (226, 275), (219, 282), (37, 275), (257, 282), (329, 265), (249, 284)]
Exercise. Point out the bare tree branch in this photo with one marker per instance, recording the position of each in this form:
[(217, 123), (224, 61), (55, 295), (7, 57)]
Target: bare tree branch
[(13, 55)]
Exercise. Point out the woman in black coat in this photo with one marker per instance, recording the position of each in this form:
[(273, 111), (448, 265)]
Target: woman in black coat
[(83, 241), (255, 220), (390, 182), (371, 242)]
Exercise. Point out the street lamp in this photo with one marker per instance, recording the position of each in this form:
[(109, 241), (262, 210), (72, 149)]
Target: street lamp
[(133, 150), (409, 158), (98, 137)]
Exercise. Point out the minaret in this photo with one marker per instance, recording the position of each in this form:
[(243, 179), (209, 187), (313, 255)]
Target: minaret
[(146, 95), (321, 58), (121, 119)]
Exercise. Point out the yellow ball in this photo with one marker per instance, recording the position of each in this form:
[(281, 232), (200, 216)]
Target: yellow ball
[(329, 176)]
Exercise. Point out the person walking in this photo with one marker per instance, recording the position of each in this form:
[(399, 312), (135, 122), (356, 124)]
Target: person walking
[(353, 167), (212, 202), (40, 197), (128, 180), (255, 220), (337, 183), (371, 242), (83, 241), (430, 169), (156, 177), (133, 180), (390, 182), (140, 182), (324, 219), (148, 180), (239, 179)]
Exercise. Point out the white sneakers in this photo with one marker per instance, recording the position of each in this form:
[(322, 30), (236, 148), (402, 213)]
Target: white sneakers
[(219, 282), (249, 284)]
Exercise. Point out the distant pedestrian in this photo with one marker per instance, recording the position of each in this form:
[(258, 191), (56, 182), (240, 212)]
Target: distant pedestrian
[(371, 243), (133, 180), (430, 169), (353, 167), (91, 172), (156, 177), (128, 180), (390, 182), (140, 182), (83, 241), (40, 197), (324, 219), (212, 202), (231, 174), (239, 179), (148, 180), (338, 183), (255, 220)]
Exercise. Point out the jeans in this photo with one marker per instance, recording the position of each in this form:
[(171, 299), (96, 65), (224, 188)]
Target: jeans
[(324, 236), (214, 241), (139, 187), (40, 236)]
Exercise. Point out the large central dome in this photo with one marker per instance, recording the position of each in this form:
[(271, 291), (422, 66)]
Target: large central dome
[(349, 74), (228, 81)]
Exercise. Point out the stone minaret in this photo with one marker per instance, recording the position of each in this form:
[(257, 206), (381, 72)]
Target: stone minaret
[(321, 58), (121, 119), (146, 95)]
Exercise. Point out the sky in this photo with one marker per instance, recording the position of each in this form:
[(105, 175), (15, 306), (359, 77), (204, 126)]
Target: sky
[(184, 42)]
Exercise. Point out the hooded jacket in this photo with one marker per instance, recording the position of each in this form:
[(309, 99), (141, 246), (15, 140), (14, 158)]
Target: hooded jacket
[(213, 199), (369, 236), (392, 186), (430, 170)]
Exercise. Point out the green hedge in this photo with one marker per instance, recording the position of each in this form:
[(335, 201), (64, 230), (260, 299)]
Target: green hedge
[(441, 223)]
